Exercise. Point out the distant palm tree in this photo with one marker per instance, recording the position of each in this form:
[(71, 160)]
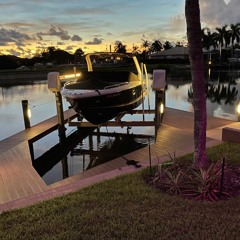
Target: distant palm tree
[(222, 36), (135, 50), (119, 47), (145, 44), (208, 40), (235, 34), (167, 45), (156, 46), (179, 44)]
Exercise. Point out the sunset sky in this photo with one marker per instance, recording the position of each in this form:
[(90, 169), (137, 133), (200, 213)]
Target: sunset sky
[(29, 26)]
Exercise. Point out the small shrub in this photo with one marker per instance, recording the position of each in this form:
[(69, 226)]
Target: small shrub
[(189, 181), (205, 183)]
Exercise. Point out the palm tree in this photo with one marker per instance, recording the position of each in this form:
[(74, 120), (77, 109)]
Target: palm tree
[(119, 47), (167, 45), (135, 50), (208, 40), (235, 34), (156, 46), (145, 45), (179, 44), (192, 13), (222, 36)]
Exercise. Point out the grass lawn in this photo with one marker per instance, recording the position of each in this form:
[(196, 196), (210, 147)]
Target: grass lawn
[(127, 208)]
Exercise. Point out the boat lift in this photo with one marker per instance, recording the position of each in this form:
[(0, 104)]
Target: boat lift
[(158, 86)]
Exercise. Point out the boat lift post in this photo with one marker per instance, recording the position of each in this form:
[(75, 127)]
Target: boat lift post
[(54, 85), (159, 83)]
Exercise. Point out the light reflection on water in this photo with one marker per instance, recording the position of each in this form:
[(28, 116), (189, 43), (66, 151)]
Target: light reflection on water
[(42, 105)]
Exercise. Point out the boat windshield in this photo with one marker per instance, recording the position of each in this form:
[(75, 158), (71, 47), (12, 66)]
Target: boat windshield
[(120, 61)]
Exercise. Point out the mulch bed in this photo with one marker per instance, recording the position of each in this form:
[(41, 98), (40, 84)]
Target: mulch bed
[(230, 183)]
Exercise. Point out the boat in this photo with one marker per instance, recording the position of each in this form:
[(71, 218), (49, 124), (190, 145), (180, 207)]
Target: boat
[(102, 94)]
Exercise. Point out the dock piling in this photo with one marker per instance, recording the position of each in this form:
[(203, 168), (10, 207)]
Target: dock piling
[(26, 113), (159, 83)]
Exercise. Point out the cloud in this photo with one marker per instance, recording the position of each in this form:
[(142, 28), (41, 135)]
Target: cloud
[(96, 41), (10, 35), (55, 31), (60, 43), (59, 32), (76, 38), (216, 13)]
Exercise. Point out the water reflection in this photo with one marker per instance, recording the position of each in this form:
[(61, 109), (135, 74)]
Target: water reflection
[(222, 98), (222, 92), (41, 100), (85, 149)]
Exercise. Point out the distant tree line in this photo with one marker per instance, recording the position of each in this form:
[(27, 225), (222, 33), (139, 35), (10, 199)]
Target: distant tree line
[(223, 41), (224, 38)]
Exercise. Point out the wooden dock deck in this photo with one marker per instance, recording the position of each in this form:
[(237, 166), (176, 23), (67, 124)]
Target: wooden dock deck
[(18, 179)]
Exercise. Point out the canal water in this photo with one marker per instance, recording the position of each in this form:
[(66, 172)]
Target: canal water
[(223, 92)]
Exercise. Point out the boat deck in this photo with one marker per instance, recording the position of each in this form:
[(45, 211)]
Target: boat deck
[(19, 181)]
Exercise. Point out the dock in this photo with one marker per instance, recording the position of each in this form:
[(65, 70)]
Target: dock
[(19, 181)]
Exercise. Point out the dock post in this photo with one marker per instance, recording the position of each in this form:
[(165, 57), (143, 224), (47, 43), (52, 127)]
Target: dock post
[(54, 86), (159, 83), (26, 112), (61, 126)]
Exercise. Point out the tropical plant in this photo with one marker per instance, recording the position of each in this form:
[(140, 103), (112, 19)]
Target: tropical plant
[(167, 45), (235, 35), (145, 45), (192, 13), (173, 181), (208, 40), (156, 46), (204, 184), (179, 44), (119, 47), (222, 36), (135, 50)]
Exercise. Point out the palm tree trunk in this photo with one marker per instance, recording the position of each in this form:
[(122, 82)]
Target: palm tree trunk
[(192, 13)]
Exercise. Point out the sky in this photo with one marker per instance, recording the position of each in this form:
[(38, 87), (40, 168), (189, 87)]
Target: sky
[(28, 27)]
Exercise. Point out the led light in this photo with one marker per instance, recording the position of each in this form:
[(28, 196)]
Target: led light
[(238, 108), (161, 108), (29, 113), (69, 76)]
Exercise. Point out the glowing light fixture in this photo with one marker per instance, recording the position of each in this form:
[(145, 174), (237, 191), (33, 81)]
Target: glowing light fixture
[(238, 110), (69, 76), (29, 113), (161, 108)]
